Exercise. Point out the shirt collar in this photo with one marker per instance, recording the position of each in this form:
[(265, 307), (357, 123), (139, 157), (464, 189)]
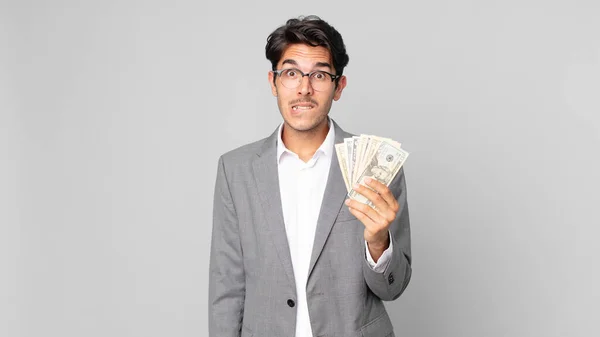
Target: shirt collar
[(326, 147)]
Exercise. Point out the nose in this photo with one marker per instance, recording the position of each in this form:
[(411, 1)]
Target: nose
[(305, 88)]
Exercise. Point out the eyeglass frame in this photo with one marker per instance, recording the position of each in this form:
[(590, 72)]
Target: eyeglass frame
[(334, 77)]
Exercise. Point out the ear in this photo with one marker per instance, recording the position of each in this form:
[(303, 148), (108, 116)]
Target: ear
[(273, 87), (340, 87)]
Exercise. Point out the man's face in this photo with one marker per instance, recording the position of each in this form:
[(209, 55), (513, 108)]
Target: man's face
[(303, 108)]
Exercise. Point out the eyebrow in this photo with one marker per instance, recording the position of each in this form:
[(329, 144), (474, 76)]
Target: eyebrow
[(317, 65)]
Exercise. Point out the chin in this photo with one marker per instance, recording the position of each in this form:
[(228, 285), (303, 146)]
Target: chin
[(305, 125)]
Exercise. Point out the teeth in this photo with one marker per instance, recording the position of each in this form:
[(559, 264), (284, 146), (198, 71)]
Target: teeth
[(301, 107)]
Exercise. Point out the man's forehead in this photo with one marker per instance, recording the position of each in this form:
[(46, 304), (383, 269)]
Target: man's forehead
[(302, 54)]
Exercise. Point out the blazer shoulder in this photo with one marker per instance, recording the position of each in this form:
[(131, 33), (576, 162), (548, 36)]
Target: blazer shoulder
[(242, 155)]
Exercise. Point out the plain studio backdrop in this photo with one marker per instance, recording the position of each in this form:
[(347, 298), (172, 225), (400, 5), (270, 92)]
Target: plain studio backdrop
[(113, 115)]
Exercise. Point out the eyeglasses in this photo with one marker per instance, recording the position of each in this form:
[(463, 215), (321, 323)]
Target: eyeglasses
[(319, 80)]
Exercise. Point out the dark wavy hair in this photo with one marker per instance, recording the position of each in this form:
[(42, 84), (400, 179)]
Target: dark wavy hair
[(310, 30)]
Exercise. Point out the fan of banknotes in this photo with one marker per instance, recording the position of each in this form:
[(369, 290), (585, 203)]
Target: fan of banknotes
[(369, 156)]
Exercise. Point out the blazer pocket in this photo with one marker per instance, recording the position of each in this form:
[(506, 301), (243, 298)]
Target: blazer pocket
[(380, 326), (246, 332), (345, 215)]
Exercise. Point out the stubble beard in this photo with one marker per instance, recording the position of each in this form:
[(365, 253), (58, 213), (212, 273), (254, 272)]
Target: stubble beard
[(314, 123), (312, 127)]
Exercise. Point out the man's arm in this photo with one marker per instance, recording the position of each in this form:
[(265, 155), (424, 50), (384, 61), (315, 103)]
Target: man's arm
[(383, 261), (390, 284), (227, 285)]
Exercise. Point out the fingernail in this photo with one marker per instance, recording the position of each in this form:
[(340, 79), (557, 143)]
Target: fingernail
[(347, 201), (356, 185), (368, 179)]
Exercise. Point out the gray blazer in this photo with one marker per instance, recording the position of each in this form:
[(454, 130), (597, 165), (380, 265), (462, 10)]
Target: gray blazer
[(252, 289)]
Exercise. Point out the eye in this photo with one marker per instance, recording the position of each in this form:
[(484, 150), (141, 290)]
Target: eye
[(290, 73), (320, 76)]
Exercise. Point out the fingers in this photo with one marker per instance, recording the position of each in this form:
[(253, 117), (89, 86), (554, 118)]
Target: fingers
[(385, 205), (365, 213), (384, 192), (372, 195), (376, 228)]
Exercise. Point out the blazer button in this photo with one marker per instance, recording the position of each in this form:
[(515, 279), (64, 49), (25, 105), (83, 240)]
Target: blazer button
[(391, 279), (291, 303)]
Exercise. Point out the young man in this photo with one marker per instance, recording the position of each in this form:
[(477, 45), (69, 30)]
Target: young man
[(290, 256)]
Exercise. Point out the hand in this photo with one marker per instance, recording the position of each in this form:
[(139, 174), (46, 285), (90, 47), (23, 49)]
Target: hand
[(376, 220)]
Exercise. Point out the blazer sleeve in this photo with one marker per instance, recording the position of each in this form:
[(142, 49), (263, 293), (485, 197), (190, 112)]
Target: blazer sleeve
[(390, 284), (227, 286)]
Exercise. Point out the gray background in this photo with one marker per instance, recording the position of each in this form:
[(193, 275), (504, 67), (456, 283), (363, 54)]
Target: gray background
[(114, 113)]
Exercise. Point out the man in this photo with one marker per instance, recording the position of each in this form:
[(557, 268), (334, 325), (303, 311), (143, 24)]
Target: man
[(287, 257)]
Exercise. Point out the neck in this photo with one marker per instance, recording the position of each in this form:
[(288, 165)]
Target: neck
[(304, 143)]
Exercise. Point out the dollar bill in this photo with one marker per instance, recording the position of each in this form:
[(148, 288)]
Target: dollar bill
[(383, 166), (340, 150), (354, 157), (348, 142), (361, 147)]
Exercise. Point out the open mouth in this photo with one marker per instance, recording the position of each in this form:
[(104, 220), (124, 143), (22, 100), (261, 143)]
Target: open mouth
[(302, 107)]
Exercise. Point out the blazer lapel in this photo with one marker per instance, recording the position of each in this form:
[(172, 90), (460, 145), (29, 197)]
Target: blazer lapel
[(267, 183), (333, 199)]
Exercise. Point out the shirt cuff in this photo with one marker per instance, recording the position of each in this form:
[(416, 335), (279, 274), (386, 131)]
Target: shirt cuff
[(384, 259)]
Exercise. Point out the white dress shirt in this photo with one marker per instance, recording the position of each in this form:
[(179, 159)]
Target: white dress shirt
[(302, 185)]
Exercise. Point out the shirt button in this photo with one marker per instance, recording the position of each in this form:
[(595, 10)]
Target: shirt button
[(291, 303)]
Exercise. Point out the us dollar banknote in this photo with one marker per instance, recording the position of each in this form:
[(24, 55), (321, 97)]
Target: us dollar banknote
[(383, 166), (341, 156)]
